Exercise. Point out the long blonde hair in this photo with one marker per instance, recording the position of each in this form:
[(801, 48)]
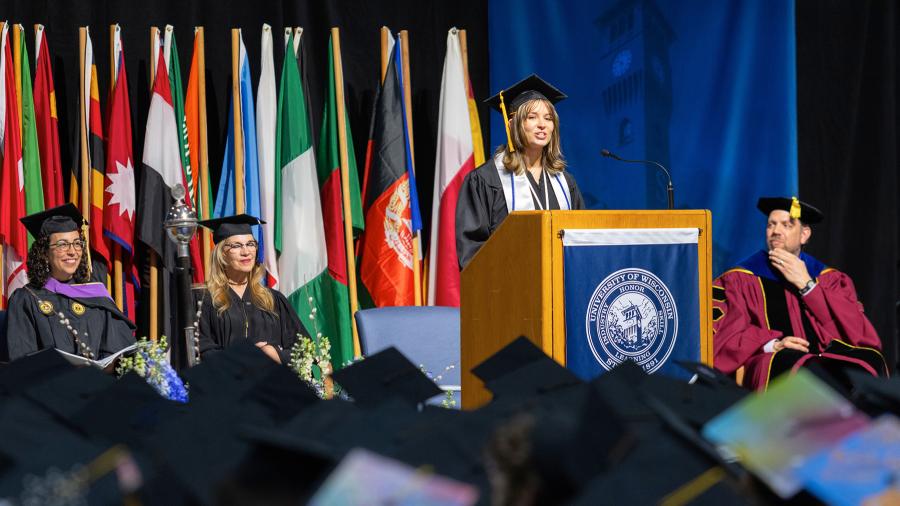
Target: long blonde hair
[(217, 284), (552, 158)]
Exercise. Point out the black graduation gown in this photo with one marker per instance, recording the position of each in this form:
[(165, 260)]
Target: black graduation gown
[(244, 321), (482, 207), (98, 321)]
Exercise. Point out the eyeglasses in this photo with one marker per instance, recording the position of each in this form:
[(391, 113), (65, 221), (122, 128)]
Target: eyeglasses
[(251, 245), (65, 245)]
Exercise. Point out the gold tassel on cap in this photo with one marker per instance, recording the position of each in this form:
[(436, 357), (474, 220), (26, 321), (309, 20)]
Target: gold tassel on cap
[(795, 208), (506, 123)]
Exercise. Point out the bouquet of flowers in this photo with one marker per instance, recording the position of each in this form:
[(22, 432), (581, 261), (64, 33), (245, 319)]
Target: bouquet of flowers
[(151, 362), (311, 360)]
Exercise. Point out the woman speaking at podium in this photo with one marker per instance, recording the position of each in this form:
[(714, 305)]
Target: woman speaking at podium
[(527, 173)]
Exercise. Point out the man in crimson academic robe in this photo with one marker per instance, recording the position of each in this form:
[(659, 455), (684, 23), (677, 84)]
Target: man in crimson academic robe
[(781, 309)]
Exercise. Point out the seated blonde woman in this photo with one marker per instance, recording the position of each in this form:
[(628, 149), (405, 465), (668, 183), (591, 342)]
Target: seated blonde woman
[(238, 306)]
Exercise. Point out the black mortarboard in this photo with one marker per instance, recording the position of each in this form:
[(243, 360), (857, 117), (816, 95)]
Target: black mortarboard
[(664, 467), (530, 88), (32, 369), (799, 210), (514, 355), (384, 374), (67, 393), (223, 228), (64, 218)]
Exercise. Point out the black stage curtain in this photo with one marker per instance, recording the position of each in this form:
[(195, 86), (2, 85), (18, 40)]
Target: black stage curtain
[(847, 88)]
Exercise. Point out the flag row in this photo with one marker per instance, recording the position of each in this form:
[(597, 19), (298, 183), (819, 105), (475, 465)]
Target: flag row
[(323, 228)]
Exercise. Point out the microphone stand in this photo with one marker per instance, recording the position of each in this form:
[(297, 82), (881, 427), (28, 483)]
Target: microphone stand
[(670, 189)]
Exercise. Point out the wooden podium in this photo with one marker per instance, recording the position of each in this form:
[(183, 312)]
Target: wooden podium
[(514, 284)]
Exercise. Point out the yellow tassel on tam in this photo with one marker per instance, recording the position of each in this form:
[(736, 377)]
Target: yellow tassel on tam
[(795, 208), (506, 123)]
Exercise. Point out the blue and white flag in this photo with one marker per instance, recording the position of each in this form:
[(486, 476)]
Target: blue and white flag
[(225, 197), (631, 294)]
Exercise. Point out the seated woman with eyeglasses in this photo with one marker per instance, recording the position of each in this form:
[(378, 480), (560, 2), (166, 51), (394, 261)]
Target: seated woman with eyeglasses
[(239, 306), (58, 307)]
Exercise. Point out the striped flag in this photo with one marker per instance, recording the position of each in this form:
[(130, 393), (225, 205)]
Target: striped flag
[(202, 192), (170, 53), (455, 158), (300, 231), (392, 210), (266, 105), (225, 197), (99, 241), (13, 236), (47, 122), (328, 161)]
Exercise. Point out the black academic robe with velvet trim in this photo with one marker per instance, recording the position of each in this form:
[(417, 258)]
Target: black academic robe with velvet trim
[(33, 323), (481, 207)]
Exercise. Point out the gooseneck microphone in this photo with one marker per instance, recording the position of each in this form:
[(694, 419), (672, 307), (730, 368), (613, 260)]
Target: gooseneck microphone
[(669, 188)]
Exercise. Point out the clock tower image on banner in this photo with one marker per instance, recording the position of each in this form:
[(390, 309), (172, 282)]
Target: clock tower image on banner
[(636, 89)]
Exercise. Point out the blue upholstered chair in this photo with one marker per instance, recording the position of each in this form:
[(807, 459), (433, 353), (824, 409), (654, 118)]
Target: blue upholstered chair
[(427, 335)]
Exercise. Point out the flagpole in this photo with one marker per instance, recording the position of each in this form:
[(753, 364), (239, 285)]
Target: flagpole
[(345, 183), (2, 260), (202, 152), (385, 32), (85, 160), (154, 269), (117, 252), (85, 154), (238, 128), (407, 99), (17, 70)]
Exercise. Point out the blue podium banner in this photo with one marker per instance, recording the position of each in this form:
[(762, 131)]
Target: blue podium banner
[(631, 294)]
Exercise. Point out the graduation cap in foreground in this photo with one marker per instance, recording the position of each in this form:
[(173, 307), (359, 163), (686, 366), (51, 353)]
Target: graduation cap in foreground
[(530, 88), (223, 228), (385, 374), (799, 210), (32, 369), (521, 369), (59, 219)]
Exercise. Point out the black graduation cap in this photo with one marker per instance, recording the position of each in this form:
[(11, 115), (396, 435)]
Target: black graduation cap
[(798, 209), (239, 224), (32, 369), (530, 88), (384, 374), (664, 466), (67, 393), (64, 218), (514, 355), (521, 369)]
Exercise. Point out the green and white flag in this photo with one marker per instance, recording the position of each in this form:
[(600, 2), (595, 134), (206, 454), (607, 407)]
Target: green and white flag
[(31, 154), (320, 300)]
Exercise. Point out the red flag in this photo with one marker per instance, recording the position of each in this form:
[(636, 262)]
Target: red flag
[(119, 196), (386, 251), (13, 236), (47, 124)]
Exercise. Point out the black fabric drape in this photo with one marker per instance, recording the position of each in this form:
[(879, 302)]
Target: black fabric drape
[(847, 87)]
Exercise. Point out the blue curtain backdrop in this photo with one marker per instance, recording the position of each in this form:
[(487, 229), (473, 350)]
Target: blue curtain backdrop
[(707, 88)]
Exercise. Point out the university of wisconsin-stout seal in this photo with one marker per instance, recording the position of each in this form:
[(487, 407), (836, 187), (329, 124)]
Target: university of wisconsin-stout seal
[(632, 316)]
